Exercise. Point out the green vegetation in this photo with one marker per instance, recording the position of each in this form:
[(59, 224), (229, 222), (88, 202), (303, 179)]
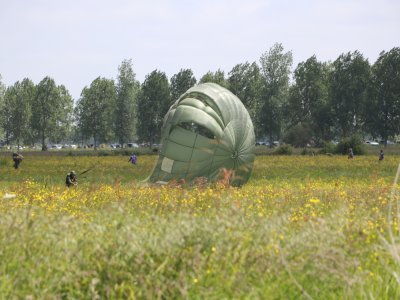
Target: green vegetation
[(303, 227), (317, 102)]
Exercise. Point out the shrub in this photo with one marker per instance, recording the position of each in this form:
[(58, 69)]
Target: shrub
[(353, 142), (299, 135), (306, 151), (284, 150), (327, 147)]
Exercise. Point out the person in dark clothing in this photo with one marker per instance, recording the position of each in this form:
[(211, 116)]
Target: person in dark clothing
[(351, 154), (381, 155), (71, 179), (17, 158)]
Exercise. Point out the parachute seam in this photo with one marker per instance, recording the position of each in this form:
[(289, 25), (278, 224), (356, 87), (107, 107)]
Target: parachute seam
[(191, 155)]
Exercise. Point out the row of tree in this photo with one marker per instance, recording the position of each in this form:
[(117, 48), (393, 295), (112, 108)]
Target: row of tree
[(318, 101), (32, 113)]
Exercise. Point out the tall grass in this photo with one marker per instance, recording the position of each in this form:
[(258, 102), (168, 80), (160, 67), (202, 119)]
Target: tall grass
[(392, 243), (303, 227)]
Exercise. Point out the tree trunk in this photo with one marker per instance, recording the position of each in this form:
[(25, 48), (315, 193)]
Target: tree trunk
[(44, 148)]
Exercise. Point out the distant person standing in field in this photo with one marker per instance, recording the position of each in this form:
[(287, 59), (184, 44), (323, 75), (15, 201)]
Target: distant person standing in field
[(351, 154), (133, 159), (17, 158), (71, 179), (381, 155)]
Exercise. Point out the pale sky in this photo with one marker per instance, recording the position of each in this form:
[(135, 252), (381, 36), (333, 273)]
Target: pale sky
[(76, 41)]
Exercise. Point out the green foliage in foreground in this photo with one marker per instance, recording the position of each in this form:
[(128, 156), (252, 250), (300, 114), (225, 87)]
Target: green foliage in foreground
[(303, 227), (222, 255)]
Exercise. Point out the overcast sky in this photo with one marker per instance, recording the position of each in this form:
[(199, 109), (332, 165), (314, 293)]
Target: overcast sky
[(76, 41)]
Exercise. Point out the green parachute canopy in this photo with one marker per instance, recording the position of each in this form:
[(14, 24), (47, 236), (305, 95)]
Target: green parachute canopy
[(206, 130)]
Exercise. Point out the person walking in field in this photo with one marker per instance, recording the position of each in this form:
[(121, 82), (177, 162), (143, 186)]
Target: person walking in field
[(71, 179), (17, 158), (351, 154), (133, 159), (381, 155)]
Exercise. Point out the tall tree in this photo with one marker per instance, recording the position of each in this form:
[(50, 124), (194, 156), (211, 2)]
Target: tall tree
[(2, 93), (217, 77), (2, 88), (308, 99), (181, 82), (63, 125), (348, 91), (153, 103), (245, 82), (81, 134), (383, 113), (6, 109), (275, 70), (48, 113), (125, 108), (22, 97), (96, 109)]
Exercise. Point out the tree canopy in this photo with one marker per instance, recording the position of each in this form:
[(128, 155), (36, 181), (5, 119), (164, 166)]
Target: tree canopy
[(153, 103), (315, 102), (126, 103), (95, 110)]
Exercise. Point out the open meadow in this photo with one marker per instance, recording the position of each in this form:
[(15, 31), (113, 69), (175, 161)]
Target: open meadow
[(313, 227)]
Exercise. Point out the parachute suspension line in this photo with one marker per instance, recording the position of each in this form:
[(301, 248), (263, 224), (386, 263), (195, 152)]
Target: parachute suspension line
[(158, 164), (87, 170), (191, 155)]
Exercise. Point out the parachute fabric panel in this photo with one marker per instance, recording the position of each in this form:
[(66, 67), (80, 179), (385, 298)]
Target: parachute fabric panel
[(205, 130)]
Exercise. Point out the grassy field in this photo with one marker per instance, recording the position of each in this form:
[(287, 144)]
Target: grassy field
[(321, 227)]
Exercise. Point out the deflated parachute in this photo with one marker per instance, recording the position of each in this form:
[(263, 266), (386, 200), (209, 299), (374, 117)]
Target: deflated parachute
[(206, 130)]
